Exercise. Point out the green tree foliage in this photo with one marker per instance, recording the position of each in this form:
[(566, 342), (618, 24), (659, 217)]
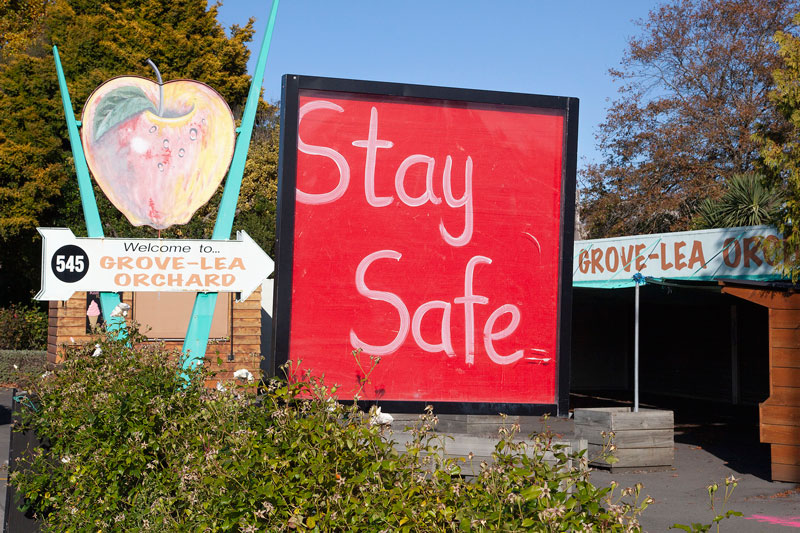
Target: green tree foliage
[(259, 195), (694, 86), (781, 149), (747, 201), (98, 40), (20, 24)]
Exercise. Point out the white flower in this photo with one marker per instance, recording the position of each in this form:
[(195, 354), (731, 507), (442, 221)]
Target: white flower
[(97, 350), (243, 373), (16, 367), (379, 419), (65, 459), (121, 309), (331, 405), (220, 387), (47, 373)]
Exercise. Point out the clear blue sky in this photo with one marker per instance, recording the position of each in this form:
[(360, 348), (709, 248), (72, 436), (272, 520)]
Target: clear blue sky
[(562, 48)]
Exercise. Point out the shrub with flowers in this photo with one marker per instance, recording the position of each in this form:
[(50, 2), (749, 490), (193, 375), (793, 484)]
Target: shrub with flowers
[(128, 444)]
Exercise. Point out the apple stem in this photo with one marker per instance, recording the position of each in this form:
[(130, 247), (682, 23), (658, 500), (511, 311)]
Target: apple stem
[(160, 86)]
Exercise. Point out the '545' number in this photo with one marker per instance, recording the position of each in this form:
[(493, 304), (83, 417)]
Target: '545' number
[(70, 263)]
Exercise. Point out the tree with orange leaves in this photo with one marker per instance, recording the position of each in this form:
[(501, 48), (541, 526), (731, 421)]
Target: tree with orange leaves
[(694, 89)]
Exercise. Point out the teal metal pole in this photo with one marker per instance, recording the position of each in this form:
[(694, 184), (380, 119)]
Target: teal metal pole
[(230, 196), (94, 228), (196, 341)]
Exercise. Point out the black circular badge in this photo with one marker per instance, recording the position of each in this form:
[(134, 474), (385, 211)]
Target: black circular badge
[(70, 263)]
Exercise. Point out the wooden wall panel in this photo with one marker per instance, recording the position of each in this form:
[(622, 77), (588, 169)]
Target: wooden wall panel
[(784, 396), (781, 472), (67, 323), (785, 377), (772, 298), (784, 338), (786, 357), (787, 455), (253, 303), (78, 324), (783, 434), (256, 323), (784, 318), (780, 413), (249, 330)]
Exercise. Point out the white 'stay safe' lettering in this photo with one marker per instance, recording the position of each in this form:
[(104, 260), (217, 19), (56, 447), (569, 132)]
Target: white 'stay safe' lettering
[(372, 143)]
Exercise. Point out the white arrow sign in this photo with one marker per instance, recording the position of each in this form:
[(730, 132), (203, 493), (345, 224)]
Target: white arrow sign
[(71, 264)]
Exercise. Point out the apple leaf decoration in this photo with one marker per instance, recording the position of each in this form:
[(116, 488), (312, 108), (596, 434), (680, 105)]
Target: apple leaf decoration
[(119, 105), (158, 151)]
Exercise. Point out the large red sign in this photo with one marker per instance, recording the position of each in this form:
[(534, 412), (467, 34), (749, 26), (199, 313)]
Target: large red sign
[(427, 232)]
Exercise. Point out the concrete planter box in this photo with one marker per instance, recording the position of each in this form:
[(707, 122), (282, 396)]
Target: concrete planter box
[(643, 439)]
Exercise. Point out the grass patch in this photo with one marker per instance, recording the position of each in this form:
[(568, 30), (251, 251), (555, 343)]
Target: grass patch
[(29, 363)]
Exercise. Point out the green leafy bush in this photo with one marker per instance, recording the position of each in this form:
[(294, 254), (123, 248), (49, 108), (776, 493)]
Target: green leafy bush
[(23, 327), (129, 445)]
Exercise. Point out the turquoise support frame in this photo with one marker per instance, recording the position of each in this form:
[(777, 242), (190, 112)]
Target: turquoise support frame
[(94, 228), (196, 340)]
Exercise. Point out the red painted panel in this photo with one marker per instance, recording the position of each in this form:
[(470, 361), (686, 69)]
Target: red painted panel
[(389, 248)]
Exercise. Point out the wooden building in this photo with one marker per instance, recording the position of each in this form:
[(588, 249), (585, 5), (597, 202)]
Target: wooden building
[(717, 324), (163, 317), (779, 414)]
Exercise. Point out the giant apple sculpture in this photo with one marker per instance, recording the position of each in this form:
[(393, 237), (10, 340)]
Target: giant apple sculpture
[(158, 151)]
